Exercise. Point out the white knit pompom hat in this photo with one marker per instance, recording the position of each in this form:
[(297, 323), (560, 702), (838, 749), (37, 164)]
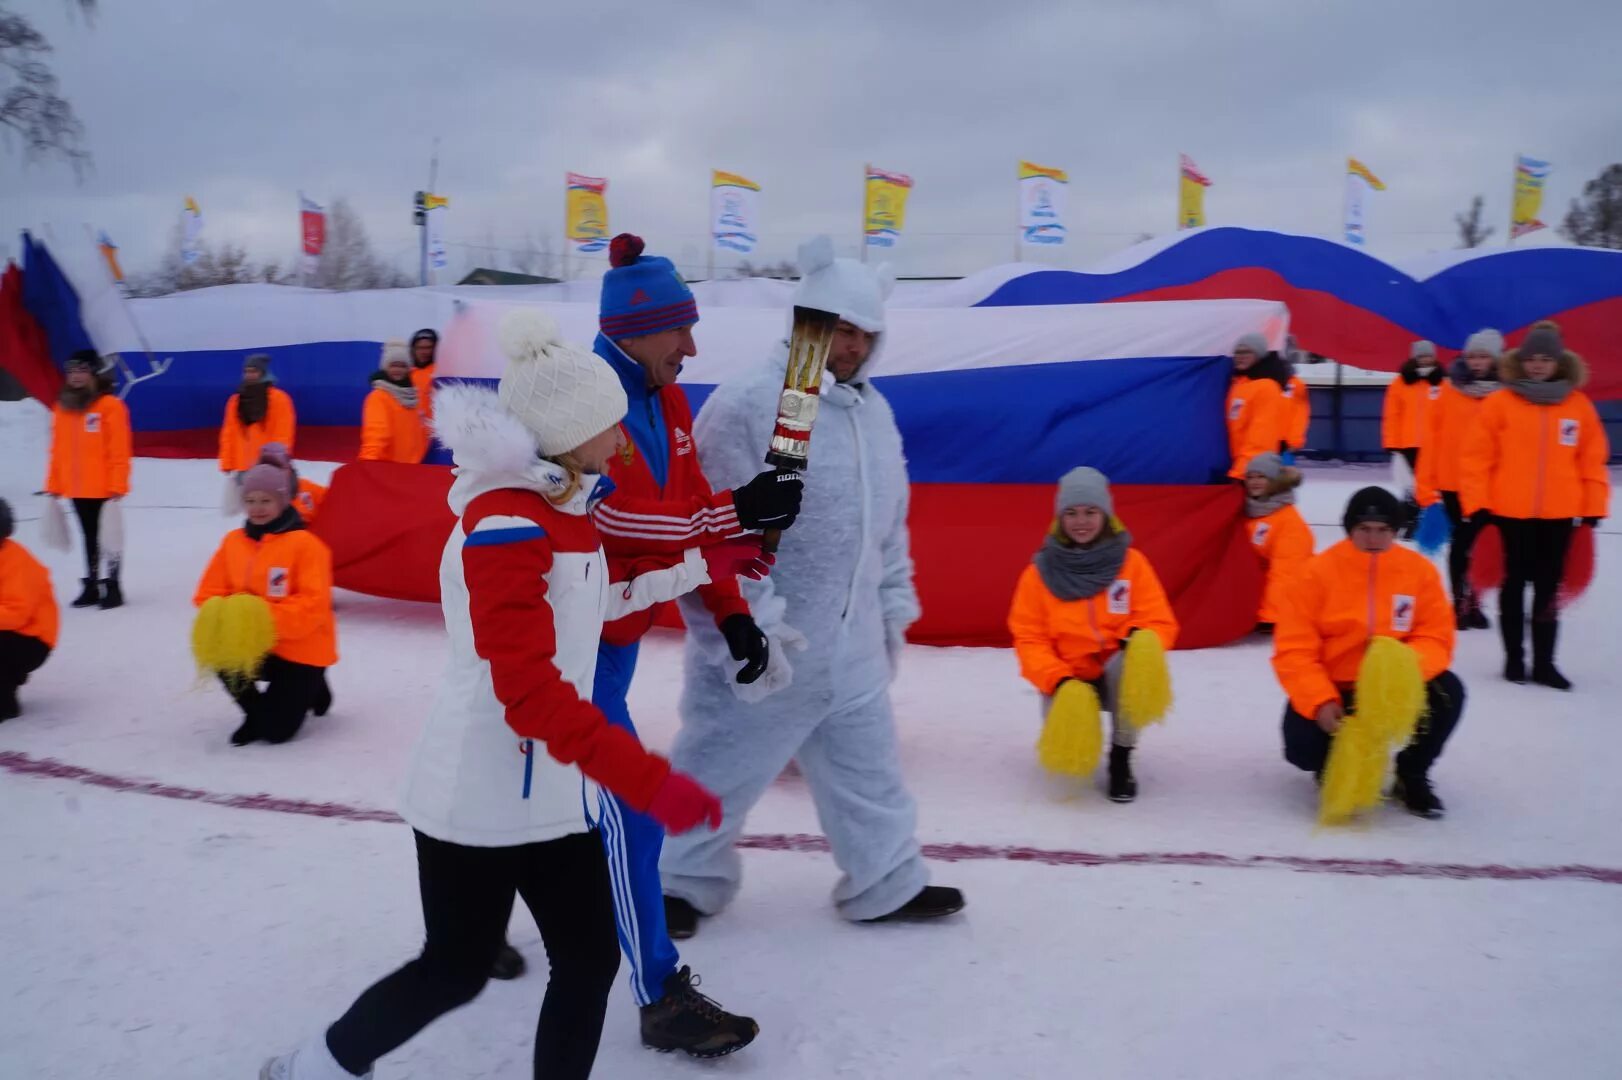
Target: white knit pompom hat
[(559, 391)]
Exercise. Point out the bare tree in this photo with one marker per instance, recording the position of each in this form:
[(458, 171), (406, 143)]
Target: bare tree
[(1595, 220), (348, 260), (32, 108), (783, 271), (1472, 233)]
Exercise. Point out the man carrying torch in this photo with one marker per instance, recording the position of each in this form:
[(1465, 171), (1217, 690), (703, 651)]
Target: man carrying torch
[(841, 594)]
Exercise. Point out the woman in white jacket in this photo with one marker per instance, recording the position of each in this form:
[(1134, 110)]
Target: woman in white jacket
[(502, 790)]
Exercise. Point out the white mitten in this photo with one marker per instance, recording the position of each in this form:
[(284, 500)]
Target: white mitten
[(54, 525), (779, 672), (231, 496), (112, 529)]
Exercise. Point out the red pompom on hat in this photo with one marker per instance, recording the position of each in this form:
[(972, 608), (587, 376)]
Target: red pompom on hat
[(624, 249)]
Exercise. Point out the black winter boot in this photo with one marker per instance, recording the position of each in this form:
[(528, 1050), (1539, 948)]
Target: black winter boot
[(9, 708), (91, 596), (681, 918), (1510, 626), (1414, 791), (1544, 673), (111, 595), (1123, 788), (1475, 618), (323, 697), (684, 1019), (509, 964), (932, 902)]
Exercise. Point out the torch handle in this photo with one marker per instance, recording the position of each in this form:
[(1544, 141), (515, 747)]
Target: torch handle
[(770, 539)]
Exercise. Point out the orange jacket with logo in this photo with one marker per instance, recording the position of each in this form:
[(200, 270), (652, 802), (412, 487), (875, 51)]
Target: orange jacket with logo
[(308, 499), (27, 602), (90, 451), (391, 432), (1343, 598), (423, 379), (1258, 420), (1537, 461), (292, 572), (1073, 639), (1447, 437), (1299, 404), (240, 443), (1407, 409), (1284, 543)]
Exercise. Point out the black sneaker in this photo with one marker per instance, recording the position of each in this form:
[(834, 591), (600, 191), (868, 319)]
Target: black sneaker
[(248, 732), (1549, 675), (1515, 669), (932, 902), (681, 918), (686, 1020), (91, 595), (111, 595), (1123, 788), (1415, 793), (509, 964)]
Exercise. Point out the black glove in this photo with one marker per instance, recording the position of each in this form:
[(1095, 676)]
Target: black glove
[(1592, 523), (1481, 518), (769, 501), (747, 643)]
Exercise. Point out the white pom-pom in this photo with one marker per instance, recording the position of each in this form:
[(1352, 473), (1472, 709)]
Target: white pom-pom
[(816, 254), (525, 332)]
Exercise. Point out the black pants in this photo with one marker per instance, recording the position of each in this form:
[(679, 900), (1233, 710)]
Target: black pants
[(1535, 554), (88, 512), (291, 690), (467, 895), (20, 656), (1458, 552), (1306, 745)]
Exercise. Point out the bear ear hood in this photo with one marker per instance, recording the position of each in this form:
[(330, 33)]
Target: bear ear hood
[(481, 433), (853, 290)]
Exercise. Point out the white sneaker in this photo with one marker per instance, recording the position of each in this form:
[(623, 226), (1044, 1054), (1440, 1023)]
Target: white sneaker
[(312, 1061)]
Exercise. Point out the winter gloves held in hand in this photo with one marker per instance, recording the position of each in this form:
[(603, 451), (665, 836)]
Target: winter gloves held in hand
[(740, 557), (769, 501), (748, 643), (681, 804)]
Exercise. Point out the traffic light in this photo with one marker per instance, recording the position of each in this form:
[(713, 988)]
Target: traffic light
[(419, 216)]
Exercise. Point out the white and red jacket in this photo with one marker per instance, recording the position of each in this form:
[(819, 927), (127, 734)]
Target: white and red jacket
[(513, 746), (643, 518)]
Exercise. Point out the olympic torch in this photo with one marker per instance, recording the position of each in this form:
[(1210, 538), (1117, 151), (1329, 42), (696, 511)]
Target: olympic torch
[(808, 346)]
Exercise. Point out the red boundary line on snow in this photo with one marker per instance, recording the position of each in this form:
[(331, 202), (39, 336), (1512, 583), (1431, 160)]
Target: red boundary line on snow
[(26, 765)]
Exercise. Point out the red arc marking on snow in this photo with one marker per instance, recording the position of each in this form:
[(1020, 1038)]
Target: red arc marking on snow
[(26, 765)]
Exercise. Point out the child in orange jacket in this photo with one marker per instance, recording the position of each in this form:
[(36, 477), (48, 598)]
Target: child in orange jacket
[(1472, 379), (258, 413), (392, 427), (273, 557), (1536, 461), (1259, 416), (1408, 401), (91, 448), (1082, 596), (1364, 586), (28, 616), (1278, 533), (306, 495)]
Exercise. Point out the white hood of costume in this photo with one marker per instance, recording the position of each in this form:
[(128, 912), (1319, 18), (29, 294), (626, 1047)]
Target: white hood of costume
[(853, 290)]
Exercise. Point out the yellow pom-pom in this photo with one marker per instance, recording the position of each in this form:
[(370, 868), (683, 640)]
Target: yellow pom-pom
[(1072, 739), (232, 635), (1145, 694), (1390, 698)]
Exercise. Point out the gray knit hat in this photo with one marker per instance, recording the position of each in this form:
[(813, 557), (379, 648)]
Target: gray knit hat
[(1266, 464), (1487, 340), (1542, 341), (1256, 343), (1422, 348), (260, 362), (1084, 486)]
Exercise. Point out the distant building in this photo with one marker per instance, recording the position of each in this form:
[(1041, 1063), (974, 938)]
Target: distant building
[(481, 276)]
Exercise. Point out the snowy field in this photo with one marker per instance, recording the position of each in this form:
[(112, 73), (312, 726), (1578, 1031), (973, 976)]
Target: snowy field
[(188, 937)]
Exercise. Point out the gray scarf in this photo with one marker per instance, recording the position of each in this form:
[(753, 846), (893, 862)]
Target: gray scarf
[(1268, 504), (1552, 392), (406, 395), (1475, 386), (1075, 573)]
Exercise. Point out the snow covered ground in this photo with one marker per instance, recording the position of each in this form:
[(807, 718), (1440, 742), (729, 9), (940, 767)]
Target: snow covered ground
[(189, 937)]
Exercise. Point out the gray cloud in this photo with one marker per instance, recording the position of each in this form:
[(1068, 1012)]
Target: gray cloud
[(242, 105)]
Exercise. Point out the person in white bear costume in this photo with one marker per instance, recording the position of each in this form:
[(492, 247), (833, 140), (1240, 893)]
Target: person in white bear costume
[(839, 600)]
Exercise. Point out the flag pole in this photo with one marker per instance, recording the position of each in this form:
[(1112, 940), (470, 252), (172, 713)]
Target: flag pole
[(1019, 246), (709, 232), (866, 168), (1514, 188)]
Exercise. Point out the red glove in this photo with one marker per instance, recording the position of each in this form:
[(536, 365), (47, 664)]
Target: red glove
[(738, 557), (681, 805)]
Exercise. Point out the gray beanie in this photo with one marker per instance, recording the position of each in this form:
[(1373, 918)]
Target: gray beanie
[(1084, 486), (259, 361), (1267, 464), (1542, 341), (1422, 348), (1254, 342), (1487, 341)]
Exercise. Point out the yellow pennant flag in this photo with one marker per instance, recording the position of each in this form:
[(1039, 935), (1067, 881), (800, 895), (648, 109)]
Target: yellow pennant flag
[(1190, 193), (884, 209), (585, 212), (1530, 176)]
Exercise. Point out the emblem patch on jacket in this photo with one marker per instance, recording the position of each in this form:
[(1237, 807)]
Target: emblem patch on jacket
[(684, 442), (1569, 430), (92, 422), (1435, 392), (627, 452), (1263, 530), (1120, 597), (1235, 407), (276, 583), (1402, 613)]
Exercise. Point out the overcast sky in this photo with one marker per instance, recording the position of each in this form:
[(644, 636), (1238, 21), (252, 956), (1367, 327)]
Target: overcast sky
[(243, 104)]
